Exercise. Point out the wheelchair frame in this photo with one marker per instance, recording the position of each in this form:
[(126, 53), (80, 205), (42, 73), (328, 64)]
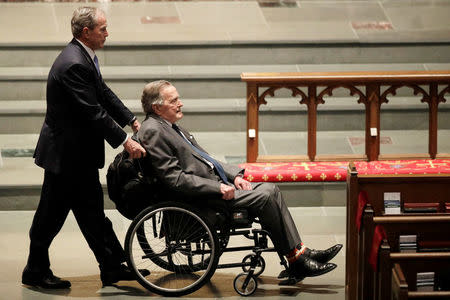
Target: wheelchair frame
[(181, 249)]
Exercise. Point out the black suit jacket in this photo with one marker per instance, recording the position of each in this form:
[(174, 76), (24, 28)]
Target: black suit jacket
[(175, 164), (82, 112)]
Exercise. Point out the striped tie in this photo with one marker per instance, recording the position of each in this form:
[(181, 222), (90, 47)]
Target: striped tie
[(96, 64)]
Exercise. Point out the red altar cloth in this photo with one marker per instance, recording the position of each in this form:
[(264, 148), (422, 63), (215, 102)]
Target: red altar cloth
[(337, 171), (295, 171), (427, 166)]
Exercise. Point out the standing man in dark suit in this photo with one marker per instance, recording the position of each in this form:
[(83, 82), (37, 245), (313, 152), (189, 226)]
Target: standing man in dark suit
[(176, 159), (82, 112)]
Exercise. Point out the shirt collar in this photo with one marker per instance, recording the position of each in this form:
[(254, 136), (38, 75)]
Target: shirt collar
[(167, 122), (89, 50), (170, 124)]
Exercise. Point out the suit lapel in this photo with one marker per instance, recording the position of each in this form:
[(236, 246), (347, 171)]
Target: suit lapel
[(88, 60), (192, 140)]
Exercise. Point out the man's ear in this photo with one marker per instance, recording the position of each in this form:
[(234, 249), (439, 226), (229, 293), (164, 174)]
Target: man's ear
[(156, 109), (85, 32)]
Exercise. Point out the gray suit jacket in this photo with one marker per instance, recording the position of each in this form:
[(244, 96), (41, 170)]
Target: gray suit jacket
[(175, 164)]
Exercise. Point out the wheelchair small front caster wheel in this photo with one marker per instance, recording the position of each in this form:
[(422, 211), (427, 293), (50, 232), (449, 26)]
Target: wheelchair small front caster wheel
[(244, 284), (260, 266)]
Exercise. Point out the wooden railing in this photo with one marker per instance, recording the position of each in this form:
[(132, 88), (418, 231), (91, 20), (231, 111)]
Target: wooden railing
[(372, 88)]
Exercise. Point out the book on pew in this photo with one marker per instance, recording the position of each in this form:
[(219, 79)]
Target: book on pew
[(434, 246), (425, 281), (423, 207), (407, 243), (391, 203), (447, 207)]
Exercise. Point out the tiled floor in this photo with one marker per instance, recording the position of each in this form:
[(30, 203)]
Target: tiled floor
[(71, 258)]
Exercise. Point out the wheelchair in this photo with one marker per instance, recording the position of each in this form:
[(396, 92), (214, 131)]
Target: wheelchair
[(181, 248), (178, 243)]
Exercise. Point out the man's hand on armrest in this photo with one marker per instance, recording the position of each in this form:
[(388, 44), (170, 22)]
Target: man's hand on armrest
[(227, 191), (134, 148), (242, 184)]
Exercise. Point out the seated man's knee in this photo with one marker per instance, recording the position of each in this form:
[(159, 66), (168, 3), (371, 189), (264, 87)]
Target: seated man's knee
[(270, 190)]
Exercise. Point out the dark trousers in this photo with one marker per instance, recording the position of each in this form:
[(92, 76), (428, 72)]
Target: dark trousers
[(81, 192), (266, 202)]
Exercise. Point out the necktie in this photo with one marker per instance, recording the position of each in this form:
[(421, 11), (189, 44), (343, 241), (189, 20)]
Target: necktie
[(216, 164), (96, 64)]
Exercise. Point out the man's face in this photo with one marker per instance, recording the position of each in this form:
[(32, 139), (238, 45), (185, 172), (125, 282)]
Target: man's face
[(96, 37), (170, 110)]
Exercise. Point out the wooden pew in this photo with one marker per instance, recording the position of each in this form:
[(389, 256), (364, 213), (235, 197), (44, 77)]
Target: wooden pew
[(425, 225), (413, 188), (403, 282), (376, 285)]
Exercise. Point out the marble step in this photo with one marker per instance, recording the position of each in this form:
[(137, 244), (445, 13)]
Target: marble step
[(192, 81), (256, 53), (21, 179), (229, 114), (26, 197)]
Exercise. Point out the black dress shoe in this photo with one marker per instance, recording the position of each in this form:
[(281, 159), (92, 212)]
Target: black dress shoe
[(123, 273), (324, 256), (321, 256), (46, 281), (306, 267)]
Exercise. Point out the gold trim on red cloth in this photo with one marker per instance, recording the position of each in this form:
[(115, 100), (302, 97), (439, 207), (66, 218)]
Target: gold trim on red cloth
[(337, 171)]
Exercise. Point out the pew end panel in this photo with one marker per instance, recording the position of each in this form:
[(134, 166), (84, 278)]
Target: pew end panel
[(413, 188)]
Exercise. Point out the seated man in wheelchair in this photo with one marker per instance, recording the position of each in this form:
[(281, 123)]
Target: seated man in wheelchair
[(179, 163)]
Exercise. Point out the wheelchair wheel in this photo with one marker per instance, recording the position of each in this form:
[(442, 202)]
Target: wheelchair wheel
[(244, 284), (176, 245), (260, 266), (163, 261), (148, 250)]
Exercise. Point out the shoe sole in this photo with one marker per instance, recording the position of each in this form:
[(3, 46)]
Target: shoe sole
[(35, 284), (293, 280), (285, 273)]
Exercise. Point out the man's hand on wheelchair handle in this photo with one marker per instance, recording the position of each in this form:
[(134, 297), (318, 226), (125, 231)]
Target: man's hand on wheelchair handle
[(242, 184), (134, 149), (135, 126), (227, 191)]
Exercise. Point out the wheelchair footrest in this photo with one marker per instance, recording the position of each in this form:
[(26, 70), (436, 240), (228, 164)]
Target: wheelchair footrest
[(232, 265), (260, 231)]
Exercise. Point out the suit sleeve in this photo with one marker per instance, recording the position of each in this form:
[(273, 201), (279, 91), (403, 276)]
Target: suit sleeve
[(78, 83), (167, 168), (115, 107)]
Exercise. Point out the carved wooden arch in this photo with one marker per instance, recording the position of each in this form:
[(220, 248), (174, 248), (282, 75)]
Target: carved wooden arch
[(393, 91), (353, 91), (441, 96), (271, 92)]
